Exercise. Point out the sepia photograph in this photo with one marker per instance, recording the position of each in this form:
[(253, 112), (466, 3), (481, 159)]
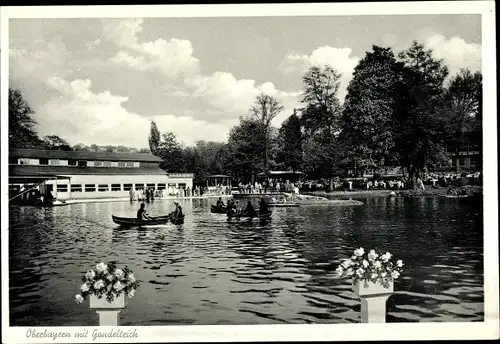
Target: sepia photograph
[(165, 166)]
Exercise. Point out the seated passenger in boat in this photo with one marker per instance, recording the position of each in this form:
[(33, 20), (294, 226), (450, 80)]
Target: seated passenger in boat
[(220, 203), (142, 213), (263, 207), (250, 210)]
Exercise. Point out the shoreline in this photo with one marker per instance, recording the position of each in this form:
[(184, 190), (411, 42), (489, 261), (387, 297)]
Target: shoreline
[(474, 189), (127, 199)]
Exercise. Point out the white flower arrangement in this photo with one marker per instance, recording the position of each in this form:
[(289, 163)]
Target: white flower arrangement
[(107, 280), (370, 267)]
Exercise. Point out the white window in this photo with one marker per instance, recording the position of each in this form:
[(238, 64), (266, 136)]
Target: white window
[(24, 161), (97, 163), (62, 187), (106, 163), (76, 187), (121, 163), (130, 164), (103, 187), (116, 187), (53, 162)]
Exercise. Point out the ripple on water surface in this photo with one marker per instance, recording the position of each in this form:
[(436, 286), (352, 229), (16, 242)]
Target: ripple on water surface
[(211, 271)]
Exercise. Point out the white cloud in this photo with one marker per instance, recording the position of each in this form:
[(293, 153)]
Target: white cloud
[(79, 115), (173, 57), (338, 58), (455, 52), (231, 98)]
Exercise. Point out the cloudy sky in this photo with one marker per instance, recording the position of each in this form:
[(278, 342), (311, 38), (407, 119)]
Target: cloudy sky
[(103, 80)]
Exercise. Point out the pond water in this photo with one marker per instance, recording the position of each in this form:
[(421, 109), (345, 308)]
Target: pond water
[(211, 271)]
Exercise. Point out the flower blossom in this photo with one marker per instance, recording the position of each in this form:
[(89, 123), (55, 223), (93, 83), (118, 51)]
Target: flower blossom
[(377, 265), (131, 293), (365, 263), (119, 273), (395, 274), (340, 271), (372, 255), (84, 287), (386, 256), (99, 284), (383, 274), (374, 276), (359, 252), (399, 263), (349, 272), (131, 278), (346, 263), (78, 298), (90, 274), (101, 267), (109, 277), (118, 286), (360, 272)]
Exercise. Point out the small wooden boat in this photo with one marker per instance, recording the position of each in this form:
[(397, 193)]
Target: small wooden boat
[(218, 210), (284, 205), (157, 220), (453, 196), (243, 216)]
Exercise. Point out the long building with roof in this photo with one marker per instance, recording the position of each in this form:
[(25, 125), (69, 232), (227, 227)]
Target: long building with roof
[(90, 175)]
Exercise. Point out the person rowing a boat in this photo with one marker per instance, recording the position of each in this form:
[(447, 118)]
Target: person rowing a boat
[(142, 214), (177, 214)]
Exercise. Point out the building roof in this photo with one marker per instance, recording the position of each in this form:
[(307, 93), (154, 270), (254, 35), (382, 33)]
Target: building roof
[(49, 170), (81, 155), (276, 173)]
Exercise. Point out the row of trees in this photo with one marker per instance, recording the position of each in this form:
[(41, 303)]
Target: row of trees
[(399, 112)]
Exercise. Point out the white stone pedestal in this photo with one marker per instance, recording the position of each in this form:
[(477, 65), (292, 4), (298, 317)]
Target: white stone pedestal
[(109, 312), (373, 301)]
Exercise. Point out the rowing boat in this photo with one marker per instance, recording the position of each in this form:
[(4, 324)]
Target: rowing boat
[(284, 205), (259, 216), (156, 220), (218, 210)]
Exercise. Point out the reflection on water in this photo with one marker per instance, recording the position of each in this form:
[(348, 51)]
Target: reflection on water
[(211, 271)]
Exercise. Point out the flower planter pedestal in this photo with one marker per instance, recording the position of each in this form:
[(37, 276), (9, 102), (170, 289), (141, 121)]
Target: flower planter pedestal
[(108, 311), (373, 300)]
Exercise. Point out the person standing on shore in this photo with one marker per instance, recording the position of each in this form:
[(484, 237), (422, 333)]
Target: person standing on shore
[(132, 195)]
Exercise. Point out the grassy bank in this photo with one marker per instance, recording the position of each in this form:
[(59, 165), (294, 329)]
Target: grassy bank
[(469, 189)]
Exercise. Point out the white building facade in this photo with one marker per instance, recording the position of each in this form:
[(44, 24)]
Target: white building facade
[(93, 175)]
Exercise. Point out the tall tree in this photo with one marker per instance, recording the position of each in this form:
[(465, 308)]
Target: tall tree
[(154, 138), (264, 110), (463, 107), (22, 133), (368, 114), (419, 125), (291, 143), (244, 152), (320, 118), (322, 106), (170, 151)]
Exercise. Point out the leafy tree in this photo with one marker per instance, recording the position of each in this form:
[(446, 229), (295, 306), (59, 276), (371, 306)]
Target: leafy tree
[(419, 125), (290, 152), (244, 152), (463, 107), (170, 151), (368, 114), (22, 132), (54, 142), (320, 119), (322, 106), (264, 110), (154, 138)]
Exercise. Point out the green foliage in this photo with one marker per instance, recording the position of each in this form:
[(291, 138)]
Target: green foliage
[(264, 110), (367, 121), (22, 133), (154, 138), (419, 125), (54, 142), (290, 144), (244, 154)]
